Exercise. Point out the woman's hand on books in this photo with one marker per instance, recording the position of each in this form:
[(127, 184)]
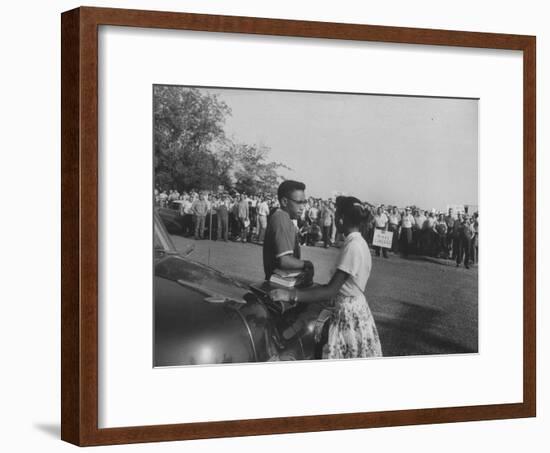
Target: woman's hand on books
[(279, 295)]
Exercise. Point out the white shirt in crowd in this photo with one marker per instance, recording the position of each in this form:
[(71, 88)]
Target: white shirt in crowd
[(186, 207), (380, 220), (407, 221), (263, 208)]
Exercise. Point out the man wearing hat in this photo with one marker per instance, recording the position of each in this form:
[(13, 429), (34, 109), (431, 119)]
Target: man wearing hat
[(405, 231), (465, 235)]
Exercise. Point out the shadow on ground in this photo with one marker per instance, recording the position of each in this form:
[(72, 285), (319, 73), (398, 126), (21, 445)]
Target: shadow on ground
[(417, 330)]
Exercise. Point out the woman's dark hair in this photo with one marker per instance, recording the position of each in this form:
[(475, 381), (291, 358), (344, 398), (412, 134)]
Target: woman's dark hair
[(351, 210), (287, 187)]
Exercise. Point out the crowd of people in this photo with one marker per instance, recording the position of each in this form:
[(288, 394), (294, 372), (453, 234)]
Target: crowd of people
[(429, 233), (220, 216), (244, 217)]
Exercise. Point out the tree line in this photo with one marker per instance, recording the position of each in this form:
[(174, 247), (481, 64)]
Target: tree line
[(192, 151)]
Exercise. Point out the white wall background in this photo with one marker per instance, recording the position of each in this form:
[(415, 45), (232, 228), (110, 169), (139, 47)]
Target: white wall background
[(30, 230)]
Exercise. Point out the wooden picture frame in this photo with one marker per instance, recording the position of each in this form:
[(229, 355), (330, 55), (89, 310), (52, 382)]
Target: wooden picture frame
[(79, 314)]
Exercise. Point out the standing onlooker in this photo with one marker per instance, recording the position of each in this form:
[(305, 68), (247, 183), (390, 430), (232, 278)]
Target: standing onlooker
[(223, 219), (430, 234), (253, 216), (327, 219), (466, 233), (243, 216), (186, 211), (381, 223), (234, 226), (200, 209), (212, 215), (475, 239), (394, 219), (405, 232), (457, 232), (441, 230), (418, 231), (450, 221), (313, 214), (263, 212)]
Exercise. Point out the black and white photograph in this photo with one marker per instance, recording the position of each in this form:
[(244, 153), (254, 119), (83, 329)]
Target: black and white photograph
[(301, 225), (255, 226)]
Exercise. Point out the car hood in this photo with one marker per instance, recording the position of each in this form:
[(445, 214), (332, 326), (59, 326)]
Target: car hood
[(190, 331), (203, 316), (201, 278)]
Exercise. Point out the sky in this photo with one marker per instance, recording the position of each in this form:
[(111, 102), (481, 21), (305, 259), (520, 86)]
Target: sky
[(379, 148)]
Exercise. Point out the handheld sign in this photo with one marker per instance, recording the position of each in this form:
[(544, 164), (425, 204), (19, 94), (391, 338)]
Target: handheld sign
[(382, 239)]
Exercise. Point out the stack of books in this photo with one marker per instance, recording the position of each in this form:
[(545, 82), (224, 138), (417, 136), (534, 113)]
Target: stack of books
[(288, 279)]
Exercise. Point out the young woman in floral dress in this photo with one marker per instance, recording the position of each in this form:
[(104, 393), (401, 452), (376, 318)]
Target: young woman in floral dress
[(352, 332)]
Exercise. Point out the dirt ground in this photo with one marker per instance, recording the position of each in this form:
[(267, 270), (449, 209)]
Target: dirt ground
[(420, 306)]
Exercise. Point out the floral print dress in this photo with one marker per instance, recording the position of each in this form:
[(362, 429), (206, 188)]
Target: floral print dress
[(352, 330)]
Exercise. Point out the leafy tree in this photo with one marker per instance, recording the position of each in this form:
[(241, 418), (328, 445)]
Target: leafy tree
[(191, 150), (188, 128), (252, 172)]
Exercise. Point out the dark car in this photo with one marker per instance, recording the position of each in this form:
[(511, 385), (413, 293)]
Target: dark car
[(203, 316)]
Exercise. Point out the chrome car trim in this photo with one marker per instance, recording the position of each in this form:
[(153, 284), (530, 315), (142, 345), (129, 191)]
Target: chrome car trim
[(302, 348), (250, 336), (207, 292)]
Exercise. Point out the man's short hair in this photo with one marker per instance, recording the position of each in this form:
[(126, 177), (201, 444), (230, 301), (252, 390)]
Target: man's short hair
[(287, 187)]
